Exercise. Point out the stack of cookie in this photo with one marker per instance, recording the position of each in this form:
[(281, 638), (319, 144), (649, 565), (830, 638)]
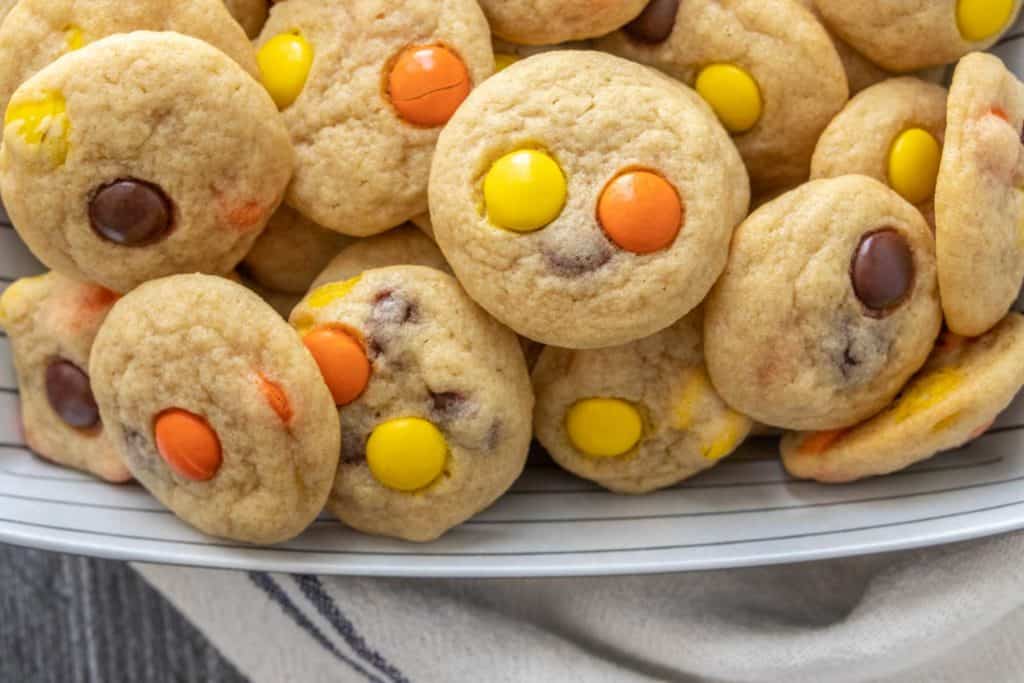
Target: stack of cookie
[(315, 271)]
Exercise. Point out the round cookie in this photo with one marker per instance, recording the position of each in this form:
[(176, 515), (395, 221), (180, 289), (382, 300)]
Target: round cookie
[(979, 198), (892, 132), (405, 245), (767, 67), (547, 22), (827, 307), (250, 14), (40, 31), (637, 417), (5, 8), (165, 190), (364, 87), (434, 394), (217, 408), (955, 398), (291, 252), (51, 322), (905, 35), (584, 200)]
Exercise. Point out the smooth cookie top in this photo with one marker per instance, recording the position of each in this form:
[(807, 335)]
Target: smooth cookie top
[(979, 198), (767, 67), (434, 397), (637, 417), (585, 200), (228, 425), (165, 190), (547, 22), (905, 35), (956, 396), (364, 88), (828, 305)]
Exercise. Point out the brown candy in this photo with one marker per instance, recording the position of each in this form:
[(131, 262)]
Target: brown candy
[(882, 270), (70, 394), (655, 23), (130, 212)]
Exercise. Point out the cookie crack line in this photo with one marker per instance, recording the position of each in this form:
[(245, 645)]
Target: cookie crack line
[(434, 91)]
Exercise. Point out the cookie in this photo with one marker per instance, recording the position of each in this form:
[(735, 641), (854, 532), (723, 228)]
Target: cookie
[(906, 35), (229, 425), (585, 200), (637, 417), (954, 399), (434, 395), (364, 87), (767, 67), (402, 246), (548, 22), (250, 14), (40, 31), (165, 190), (828, 305), (291, 252), (979, 204), (51, 322), (422, 222), (892, 132)]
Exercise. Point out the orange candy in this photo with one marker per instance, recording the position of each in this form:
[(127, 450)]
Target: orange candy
[(641, 212), (427, 84), (819, 442), (342, 361), (276, 397), (188, 444)]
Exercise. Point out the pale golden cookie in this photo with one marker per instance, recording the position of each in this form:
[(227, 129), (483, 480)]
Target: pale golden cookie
[(142, 155), (954, 399), (767, 66), (827, 307), (585, 200), (403, 246), (217, 408), (438, 425), (979, 202), (637, 417), (547, 22), (51, 322), (906, 35), (365, 111)]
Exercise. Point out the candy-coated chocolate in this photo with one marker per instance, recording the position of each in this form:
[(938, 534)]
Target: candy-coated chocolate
[(427, 84), (285, 61), (276, 398), (406, 454), (342, 360), (188, 444), (44, 122), (604, 427), (981, 19), (914, 164), (882, 270), (131, 212), (655, 23), (524, 191), (70, 394), (733, 94), (641, 212)]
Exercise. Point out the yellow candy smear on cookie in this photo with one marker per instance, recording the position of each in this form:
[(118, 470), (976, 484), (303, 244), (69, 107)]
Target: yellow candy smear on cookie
[(927, 392), (331, 292), (74, 38), (726, 440), (41, 121), (604, 427), (693, 391), (406, 454)]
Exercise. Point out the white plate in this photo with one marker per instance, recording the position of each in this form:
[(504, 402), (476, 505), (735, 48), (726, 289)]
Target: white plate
[(744, 512)]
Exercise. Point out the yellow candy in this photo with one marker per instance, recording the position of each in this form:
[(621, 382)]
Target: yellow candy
[(914, 164), (329, 293), (695, 388), (946, 422), (42, 121), (725, 442), (982, 19), (406, 454), (926, 392), (74, 38), (733, 94), (502, 61), (604, 427), (524, 191), (285, 61)]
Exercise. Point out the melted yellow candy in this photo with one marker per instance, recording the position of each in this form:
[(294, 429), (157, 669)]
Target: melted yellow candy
[(733, 94), (285, 62), (42, 122), (406, 454), (946, 422), (329, 293), (604, 427), (11, 294), (928, 391), (524, 191), (914, 165), (725, 441), (74, 38), (982, 19), (694, 390), (502, 61)]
